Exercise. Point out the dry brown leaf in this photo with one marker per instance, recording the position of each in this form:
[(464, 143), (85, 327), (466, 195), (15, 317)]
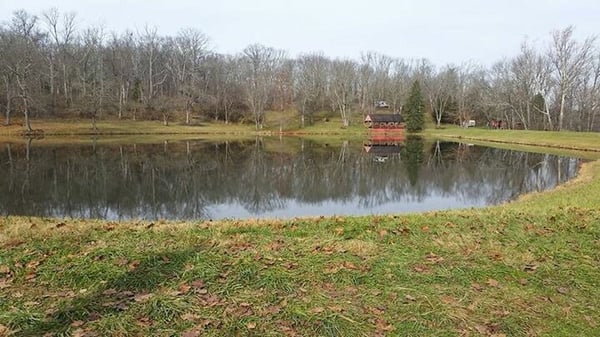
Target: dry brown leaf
[(434, 258), (184, 288), (198, 284), (193, 332), (121, 262), (410, 298), (477, 286), (492, 283), (109, 292), (141, 298), (77, 324), (317, 310)]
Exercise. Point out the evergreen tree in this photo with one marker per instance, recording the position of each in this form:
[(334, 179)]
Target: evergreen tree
[(414, 110), (413, 157)]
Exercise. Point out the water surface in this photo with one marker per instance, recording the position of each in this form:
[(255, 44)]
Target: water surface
[(268, 178)]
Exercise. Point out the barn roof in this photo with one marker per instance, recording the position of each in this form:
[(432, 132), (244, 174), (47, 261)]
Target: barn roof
[(384, 118)]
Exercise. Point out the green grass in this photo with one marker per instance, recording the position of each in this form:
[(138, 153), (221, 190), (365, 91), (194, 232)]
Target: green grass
[(526, 268), (586, 141)]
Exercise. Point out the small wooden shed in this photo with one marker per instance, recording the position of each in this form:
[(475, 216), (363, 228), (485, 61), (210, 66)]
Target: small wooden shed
[(384, 121)]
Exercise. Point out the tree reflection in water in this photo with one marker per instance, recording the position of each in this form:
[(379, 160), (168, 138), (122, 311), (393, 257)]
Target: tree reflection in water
[(264, 178)]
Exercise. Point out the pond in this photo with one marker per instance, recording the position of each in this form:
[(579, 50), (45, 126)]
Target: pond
[(266, 178)]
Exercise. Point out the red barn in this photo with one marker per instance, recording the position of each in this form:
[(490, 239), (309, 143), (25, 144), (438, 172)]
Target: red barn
[(384, 121)]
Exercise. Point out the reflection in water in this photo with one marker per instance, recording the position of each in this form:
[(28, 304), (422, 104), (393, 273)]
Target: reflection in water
[(265, 178)]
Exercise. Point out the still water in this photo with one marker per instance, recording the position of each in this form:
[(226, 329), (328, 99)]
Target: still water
[(269, 178)]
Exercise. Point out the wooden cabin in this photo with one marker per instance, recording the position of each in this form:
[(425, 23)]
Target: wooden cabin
[(384, 121)]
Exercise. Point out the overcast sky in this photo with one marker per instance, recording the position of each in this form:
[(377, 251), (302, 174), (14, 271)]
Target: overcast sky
[(444, 31)]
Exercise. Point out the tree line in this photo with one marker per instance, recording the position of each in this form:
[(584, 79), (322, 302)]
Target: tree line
[(49, 67)]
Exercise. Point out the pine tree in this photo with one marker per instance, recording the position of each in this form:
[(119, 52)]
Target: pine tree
[(414, 110)]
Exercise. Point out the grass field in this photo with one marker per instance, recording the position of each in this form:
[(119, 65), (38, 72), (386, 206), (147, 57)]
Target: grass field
[(527, 268)]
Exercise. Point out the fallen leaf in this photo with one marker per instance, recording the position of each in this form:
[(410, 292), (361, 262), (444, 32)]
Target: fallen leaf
[(77, 324), (122, 306), (184, 288), (190, 317), (273, 309), (121, 261), (144, 321), (382, 233), (350, 265), (409, 298), (198, 284), (140, 298), (591, 321), (251, 325), (194, 332), (377, 311), (93, 316), (433, 258), (382, 325), (448, 299), (421, 268), (562, 290), (317, 310), (477, 286), (109, 292), (336, 308), (32, 264), (110, 226), (492, 283), (4, 269), (133, 265)]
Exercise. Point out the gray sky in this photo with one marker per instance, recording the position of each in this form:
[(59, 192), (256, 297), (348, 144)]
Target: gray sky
[(444, 31)]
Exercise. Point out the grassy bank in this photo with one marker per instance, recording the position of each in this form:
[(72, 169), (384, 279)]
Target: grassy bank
[(583, 141), (528, 268)]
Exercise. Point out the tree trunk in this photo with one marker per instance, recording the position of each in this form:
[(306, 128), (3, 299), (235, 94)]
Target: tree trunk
[(121, 97), (94, 126), (187, 113), (561, 112), (8, 101), (65, 91), (27, 123)]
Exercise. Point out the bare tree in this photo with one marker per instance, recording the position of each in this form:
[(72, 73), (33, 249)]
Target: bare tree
[(260, 66), (341, 85), (373, 80), (188, 50), (151, 47), (20, 58), (569, 59), (121, 51), (61, 32), (400, 81), (310, 85), (440, 90)]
